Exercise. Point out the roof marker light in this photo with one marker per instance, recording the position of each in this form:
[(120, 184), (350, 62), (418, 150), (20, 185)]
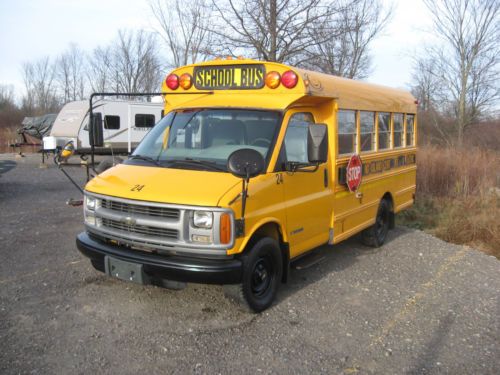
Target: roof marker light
[(273, 79), (186, 81), (172, 81), (289, 79)]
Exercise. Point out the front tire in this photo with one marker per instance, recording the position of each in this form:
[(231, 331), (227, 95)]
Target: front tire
[(376, 235), (262, 270)]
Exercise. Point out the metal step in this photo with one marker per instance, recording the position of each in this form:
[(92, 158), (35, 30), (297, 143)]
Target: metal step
[(309, 260)]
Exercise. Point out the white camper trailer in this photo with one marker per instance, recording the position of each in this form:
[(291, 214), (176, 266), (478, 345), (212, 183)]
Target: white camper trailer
[(125, 123)]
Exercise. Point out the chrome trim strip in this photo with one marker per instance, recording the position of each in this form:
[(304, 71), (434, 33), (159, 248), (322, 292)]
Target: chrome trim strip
[(170, 249), (158, 204)]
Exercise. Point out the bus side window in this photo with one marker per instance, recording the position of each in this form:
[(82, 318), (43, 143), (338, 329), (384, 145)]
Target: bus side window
[(346, 131), (384, 130), (296, 137), (398, 129), (410, 128), (367, 128)]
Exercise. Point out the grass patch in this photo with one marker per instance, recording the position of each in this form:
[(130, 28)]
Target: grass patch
[(458, 197), (7, 136), (474, 221)]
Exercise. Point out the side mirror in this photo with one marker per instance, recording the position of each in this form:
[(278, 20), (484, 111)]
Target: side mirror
[(317, 143), (96, 137), (246, 163)]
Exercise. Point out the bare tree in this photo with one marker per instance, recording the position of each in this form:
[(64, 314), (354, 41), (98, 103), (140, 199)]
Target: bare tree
[(425, 85), (99, 69), (70, 74), (184, 28), (10, 114), (273, 30), (135, 66), (7, 97), (466, 60), (128, 64), (41, 95), (344, 40)]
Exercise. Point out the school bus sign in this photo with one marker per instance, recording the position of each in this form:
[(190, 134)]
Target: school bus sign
[(354, 173)]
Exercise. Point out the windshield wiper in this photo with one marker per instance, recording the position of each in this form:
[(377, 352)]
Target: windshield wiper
[(196, 162), (144, 157)]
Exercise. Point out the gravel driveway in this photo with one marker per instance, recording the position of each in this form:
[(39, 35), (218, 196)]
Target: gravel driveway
[(417, 305)]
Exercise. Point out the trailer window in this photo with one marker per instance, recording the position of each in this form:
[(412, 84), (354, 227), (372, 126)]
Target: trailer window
[(144, 120), (347, 132), (112, 122), (384, 130), (367, 127)]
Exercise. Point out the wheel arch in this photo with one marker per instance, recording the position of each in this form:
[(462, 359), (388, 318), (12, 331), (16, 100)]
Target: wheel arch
[(273, 229), (388, 197)]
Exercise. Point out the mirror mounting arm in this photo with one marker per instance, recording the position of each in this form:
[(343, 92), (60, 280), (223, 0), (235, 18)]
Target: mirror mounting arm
[(240, 224), (293, 166)]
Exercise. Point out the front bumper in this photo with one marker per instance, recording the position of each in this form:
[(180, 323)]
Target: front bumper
[(159, 267)]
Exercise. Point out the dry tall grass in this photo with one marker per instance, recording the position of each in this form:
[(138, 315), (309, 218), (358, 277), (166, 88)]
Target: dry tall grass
[(458, 196), (7, 137), (448, 172)]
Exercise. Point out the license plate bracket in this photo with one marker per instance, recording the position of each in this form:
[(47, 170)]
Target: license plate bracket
[(126, 271)]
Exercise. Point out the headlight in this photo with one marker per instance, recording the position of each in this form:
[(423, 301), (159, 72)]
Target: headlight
[(203, 219), (90, 203)]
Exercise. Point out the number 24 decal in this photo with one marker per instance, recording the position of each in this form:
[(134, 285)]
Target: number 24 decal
[(137, 188)]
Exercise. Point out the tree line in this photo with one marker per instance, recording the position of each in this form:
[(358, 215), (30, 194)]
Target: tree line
[(332, 36), (455, 76)]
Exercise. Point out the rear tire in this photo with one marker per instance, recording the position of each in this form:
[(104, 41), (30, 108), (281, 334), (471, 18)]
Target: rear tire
[(262, 270), (376, 235)]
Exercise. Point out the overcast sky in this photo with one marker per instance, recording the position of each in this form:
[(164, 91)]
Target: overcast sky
[(32, 29)]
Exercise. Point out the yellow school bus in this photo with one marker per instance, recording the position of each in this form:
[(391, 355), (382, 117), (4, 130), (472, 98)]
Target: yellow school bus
[(254, 165)]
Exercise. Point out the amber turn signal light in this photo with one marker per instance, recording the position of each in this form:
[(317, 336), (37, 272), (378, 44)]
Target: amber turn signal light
[(186, 81), (225, 229), (273, 79)]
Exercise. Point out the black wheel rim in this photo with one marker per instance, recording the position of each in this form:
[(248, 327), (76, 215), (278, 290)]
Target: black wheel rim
[(262, 276), (382, 224)]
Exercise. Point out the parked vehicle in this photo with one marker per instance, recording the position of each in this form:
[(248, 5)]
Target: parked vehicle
[(254, 166), (124, 125)]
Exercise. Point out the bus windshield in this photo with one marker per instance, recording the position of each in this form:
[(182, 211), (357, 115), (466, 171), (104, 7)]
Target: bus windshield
[(208, 136)]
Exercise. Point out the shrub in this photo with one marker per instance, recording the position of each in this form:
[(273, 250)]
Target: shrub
[(458, 196)]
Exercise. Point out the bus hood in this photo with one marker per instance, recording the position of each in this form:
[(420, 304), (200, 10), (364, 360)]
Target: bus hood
[(164, 185)]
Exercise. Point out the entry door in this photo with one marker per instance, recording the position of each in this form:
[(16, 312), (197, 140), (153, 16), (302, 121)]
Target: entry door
[(308, 195)]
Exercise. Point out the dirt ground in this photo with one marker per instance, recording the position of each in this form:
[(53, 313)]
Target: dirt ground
[(417, 305)]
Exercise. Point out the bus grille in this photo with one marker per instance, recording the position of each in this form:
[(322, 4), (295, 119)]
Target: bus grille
[(141, 229), (164, 212)]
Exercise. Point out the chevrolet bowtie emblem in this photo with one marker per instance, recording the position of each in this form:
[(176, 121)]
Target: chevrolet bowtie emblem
[(128, 220)]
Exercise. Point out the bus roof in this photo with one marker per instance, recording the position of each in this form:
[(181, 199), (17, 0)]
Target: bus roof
[(312, 87)]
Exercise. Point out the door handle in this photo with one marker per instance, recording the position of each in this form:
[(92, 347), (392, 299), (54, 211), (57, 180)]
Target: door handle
[(279, 178), (325, 177)]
